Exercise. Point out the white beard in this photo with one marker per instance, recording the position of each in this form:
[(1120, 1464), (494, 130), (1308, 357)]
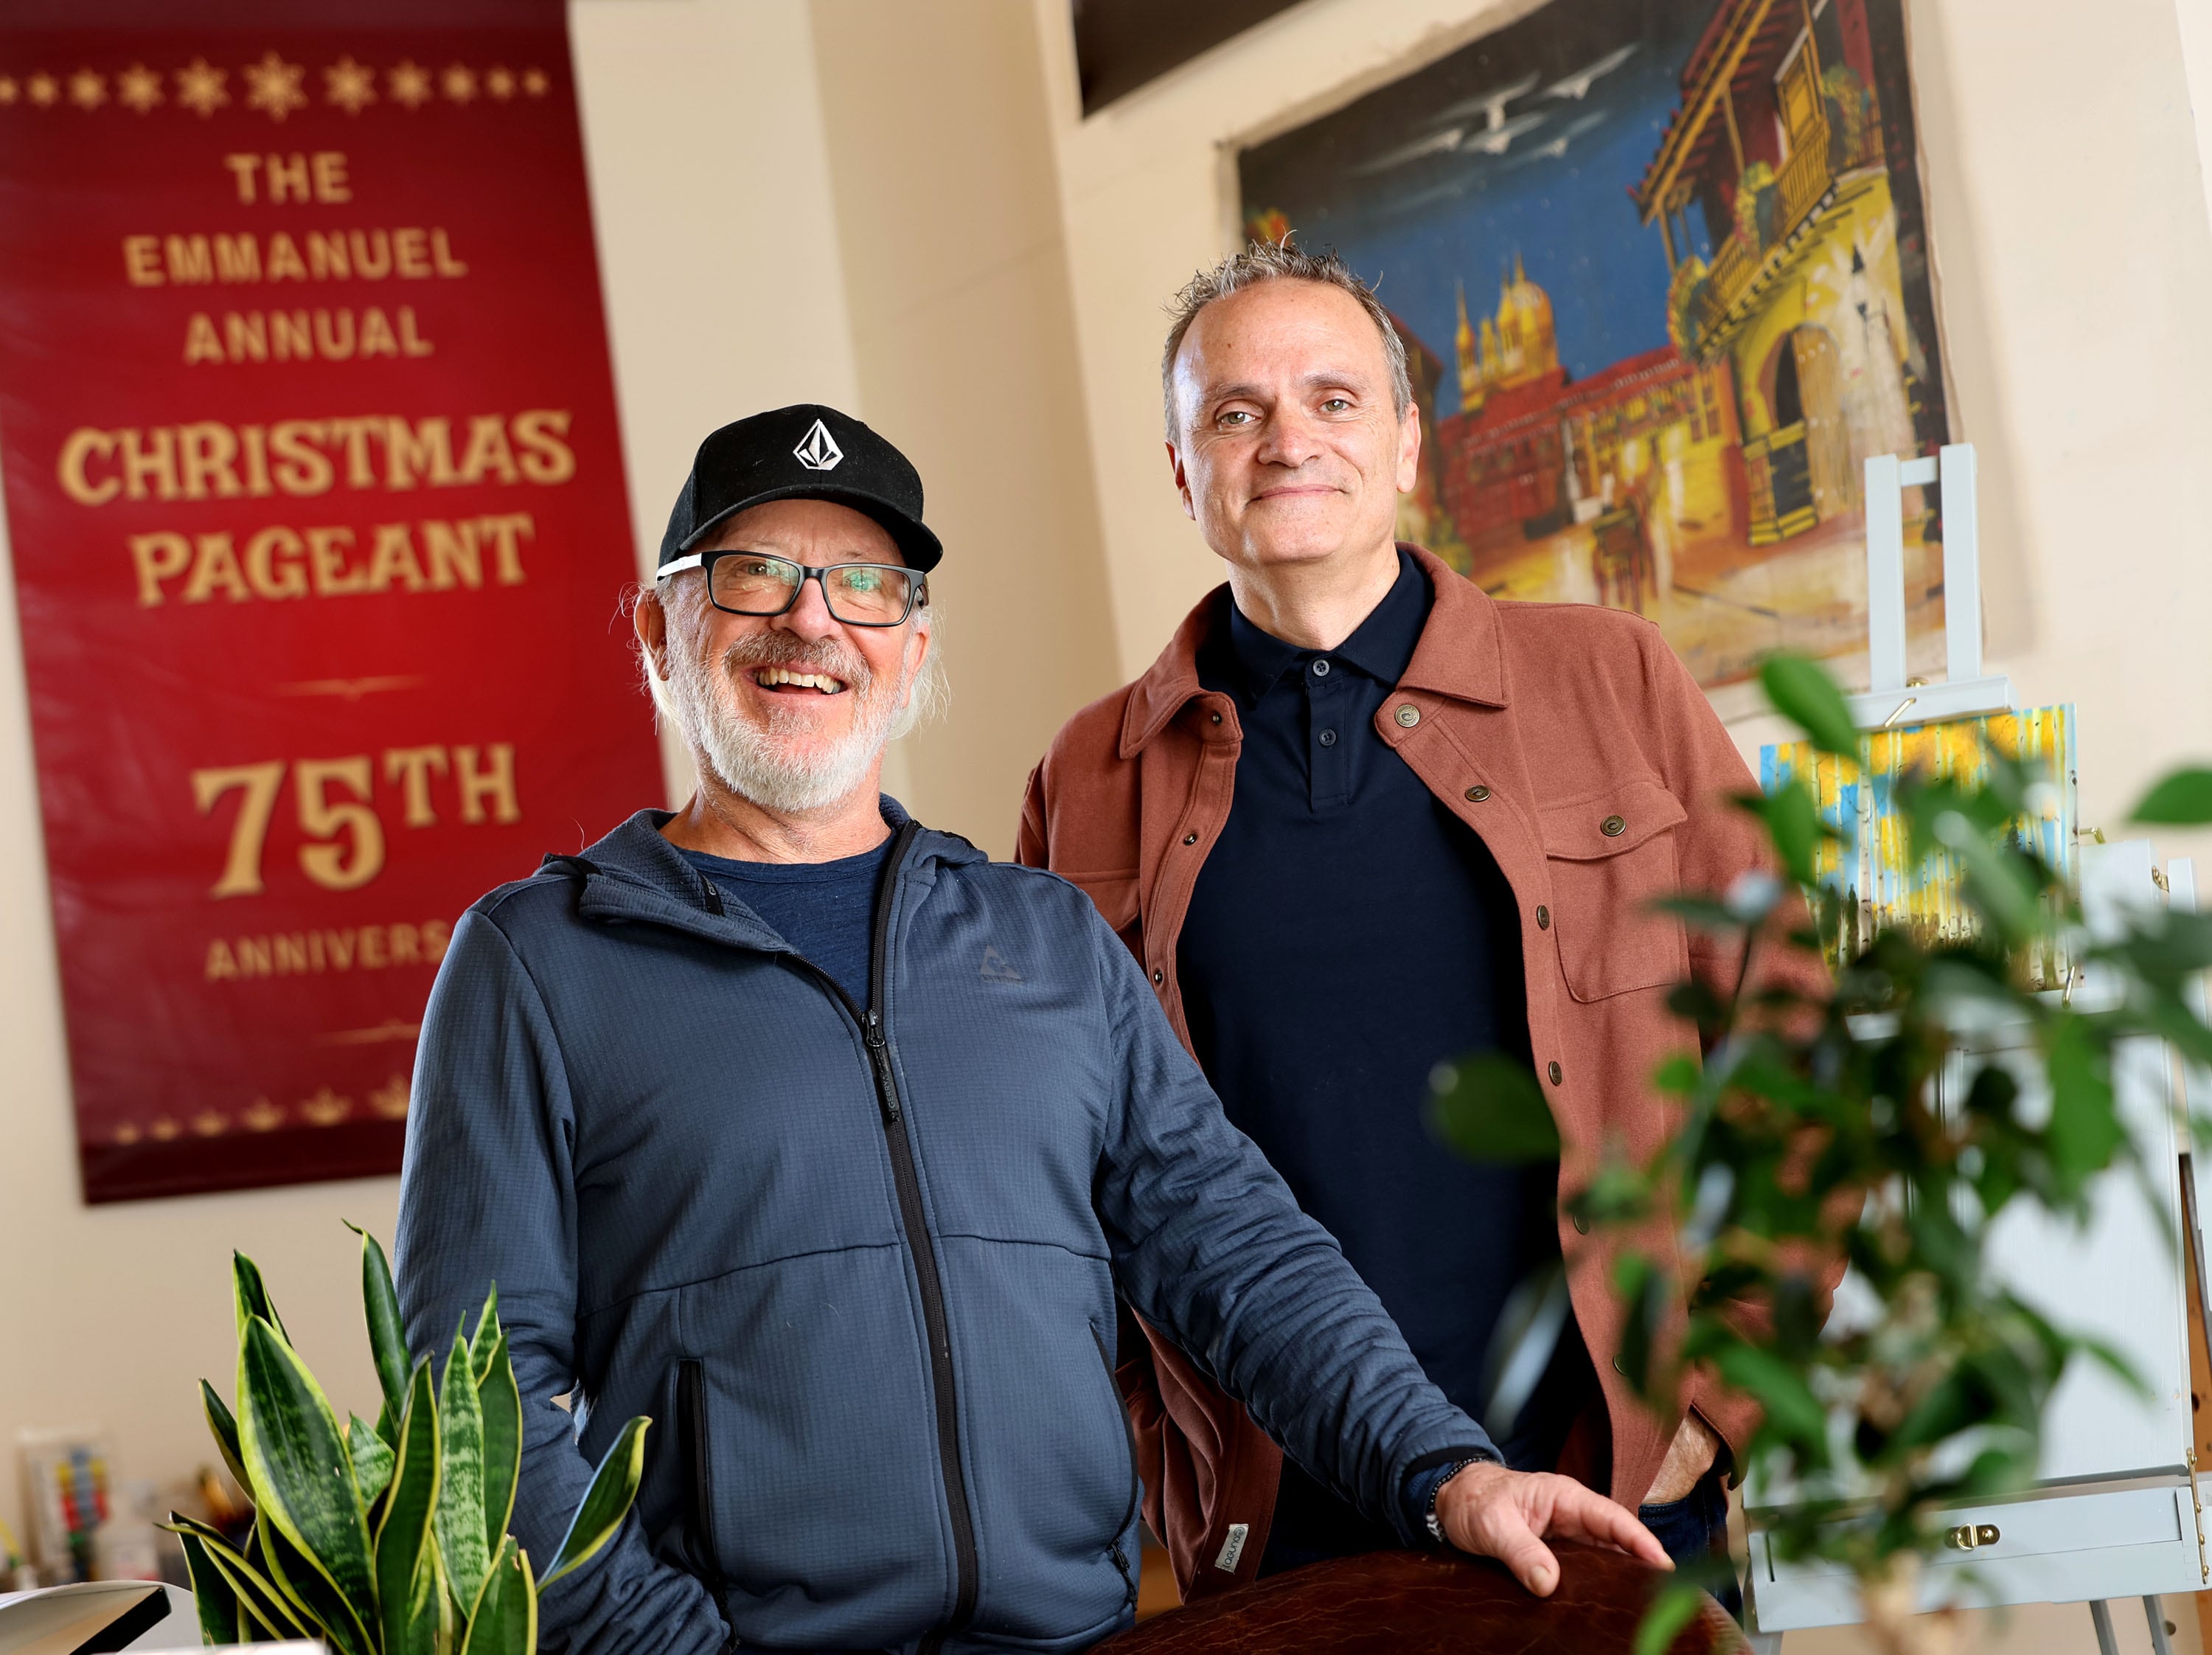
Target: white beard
[(759, 763)]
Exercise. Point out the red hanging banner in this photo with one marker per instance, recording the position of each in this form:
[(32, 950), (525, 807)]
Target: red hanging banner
[(315, 499)]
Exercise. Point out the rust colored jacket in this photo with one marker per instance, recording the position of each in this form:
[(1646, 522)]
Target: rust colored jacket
[(1574, 742)]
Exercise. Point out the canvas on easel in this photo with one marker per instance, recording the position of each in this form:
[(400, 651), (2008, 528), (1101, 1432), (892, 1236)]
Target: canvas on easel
[(1870, 865)]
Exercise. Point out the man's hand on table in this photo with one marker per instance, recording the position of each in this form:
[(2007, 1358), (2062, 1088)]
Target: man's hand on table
[(1496, 1512)]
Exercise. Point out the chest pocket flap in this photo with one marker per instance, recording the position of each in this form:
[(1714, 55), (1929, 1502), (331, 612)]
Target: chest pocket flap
[(1611, 856)]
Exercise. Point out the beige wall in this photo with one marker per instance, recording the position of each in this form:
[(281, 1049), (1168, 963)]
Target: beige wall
[(703, 125), (949, 215), (895, 208)]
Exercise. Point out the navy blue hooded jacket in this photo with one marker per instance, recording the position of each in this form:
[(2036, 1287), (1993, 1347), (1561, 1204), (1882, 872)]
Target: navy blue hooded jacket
[(859, 1264)]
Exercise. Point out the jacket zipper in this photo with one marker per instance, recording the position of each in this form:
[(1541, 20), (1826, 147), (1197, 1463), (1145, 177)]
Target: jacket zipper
[(1120, 1556), (691, 1426), (934, 1323)]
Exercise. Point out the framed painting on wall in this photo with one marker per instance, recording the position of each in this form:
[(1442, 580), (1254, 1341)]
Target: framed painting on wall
[(1661, 269)]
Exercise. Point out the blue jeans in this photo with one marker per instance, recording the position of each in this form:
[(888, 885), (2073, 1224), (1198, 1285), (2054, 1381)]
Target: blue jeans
[(1694, 1532)]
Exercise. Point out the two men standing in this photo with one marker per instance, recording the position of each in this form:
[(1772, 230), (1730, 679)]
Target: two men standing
[(831, 1146), (839, 1150)]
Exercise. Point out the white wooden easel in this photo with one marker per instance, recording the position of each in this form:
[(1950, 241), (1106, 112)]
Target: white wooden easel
[(1890, 698), (2114, 1512)]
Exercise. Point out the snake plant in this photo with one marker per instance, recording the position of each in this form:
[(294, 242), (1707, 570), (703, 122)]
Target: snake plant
[(392, 1538)]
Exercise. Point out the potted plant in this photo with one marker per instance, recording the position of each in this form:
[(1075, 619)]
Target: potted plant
[(1814, 1129), (389, 1539)]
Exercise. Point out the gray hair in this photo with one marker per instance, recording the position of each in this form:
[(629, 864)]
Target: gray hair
[(1279, 261)]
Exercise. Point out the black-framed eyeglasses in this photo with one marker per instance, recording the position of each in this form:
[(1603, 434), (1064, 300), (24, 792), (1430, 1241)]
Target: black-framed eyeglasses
[(760, 583)]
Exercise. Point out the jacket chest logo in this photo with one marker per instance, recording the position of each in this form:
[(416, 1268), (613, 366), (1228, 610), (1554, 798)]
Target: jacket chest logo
[(996, 969)]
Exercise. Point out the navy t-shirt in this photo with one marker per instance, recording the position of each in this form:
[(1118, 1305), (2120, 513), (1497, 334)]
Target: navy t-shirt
[(825, 910), (1347, 934)]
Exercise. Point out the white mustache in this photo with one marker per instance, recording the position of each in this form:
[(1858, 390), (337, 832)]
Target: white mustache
[(779, 650)]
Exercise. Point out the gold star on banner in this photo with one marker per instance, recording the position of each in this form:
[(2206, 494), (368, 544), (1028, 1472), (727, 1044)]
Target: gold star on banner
[(390, 1099), (262, 1115), (164, 1129), (410, 84), (458, 83), (274, 85), (210, 1124), (199, 88), (86, 90), (499, 81), (128, 1133), (45, 89), (326, 1108), (139, 87), (350, 85), (534, 83), (9, 90)]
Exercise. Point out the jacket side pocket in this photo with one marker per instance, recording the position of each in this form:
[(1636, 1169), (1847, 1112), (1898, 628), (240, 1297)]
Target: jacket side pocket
[(1117, 1550), (694, 1446)]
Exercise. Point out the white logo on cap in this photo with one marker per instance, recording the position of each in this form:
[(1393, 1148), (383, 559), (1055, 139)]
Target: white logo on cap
[(818, 451)]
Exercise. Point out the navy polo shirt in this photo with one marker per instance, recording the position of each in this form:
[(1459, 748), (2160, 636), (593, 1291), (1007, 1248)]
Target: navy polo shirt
[(1347, 934)]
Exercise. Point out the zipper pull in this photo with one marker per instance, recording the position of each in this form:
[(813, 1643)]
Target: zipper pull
[(879, 1056)]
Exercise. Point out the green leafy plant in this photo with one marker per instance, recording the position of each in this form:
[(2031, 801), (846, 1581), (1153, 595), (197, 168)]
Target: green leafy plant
[(1888, 1121), (392, 1538)]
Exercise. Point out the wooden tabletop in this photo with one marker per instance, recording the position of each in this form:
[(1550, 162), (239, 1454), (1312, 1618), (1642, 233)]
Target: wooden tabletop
[(1407, 1602)]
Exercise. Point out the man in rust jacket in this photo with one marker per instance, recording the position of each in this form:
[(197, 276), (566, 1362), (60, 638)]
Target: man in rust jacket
[(1359, 819)]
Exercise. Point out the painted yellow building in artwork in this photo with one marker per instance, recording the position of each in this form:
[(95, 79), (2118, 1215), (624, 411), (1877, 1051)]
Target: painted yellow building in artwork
[(1782, 154)]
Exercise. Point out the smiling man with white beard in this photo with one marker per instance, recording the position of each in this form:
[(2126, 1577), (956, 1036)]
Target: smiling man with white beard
[(829, 1144)]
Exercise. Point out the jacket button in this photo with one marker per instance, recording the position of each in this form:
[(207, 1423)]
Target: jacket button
[(1614, 826), (1552, 1070), (1620, 1368), (1158, 975), (1581, 1223), (1478, 794), (1190, 838), (1216, 718), (1543, 917), (1407, 716)]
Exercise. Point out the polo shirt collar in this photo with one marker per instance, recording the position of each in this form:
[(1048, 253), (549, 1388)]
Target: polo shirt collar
[(1460, 653), (1381, 646)]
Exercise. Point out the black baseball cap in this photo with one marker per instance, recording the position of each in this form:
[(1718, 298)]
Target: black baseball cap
[(805, 452)]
